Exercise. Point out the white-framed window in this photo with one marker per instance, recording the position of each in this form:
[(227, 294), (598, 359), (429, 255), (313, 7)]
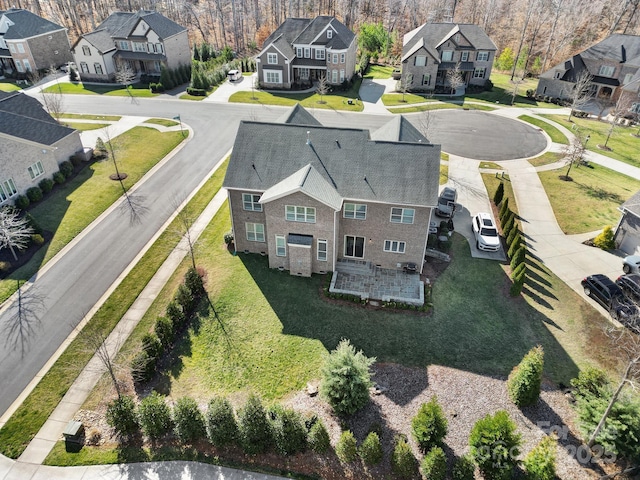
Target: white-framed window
[(281, 246), (159, 48), (402, 215), (86, 51), (420, 60), (151, 47), (322, 250), (479, 72), (357, 211), (606, 71), (299, 52), (335, 58), (342, 57), (250, 202), (483, 57), (319, 54), (464, 56), (255, 232), (19, 66), (84, 68), (20, 48), (140, 47), (447, 55), (426, 79), (304, 73), (627, 78), (12, 48), (123, 45), (27, 65), (272, 58), (307, 52), (7, 189), (353, 246), (272, 76), (394, 246), (329, 33), (98, 68), (341, 76), (334, 76), (35, 170), (300, 214)]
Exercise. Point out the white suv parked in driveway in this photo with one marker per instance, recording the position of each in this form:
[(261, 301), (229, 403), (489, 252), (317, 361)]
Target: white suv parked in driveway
[(486, 233)]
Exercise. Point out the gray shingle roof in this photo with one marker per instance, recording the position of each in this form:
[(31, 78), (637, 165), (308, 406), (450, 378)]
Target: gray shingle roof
[(358, 167), (27, 24), (399, 129), (633, 204), (101, 39), (299, 116), (23, 117), (289, 29), (433, 34), (122, 24)]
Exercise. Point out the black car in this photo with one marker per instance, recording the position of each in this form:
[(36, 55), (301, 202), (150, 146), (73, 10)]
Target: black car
[(630, 285), (604, 291)]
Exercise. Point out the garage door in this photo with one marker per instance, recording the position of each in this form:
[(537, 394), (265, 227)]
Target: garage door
[(630, 244)]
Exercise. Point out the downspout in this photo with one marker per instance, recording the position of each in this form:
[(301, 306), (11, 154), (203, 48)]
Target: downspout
[(335, 229)]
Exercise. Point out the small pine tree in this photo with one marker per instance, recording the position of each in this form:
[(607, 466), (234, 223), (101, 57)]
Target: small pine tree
[(151, 344), (254, 428), (176, 315), (346, 379), (509, 223), (497, 197), (193, 281), (289, 432), (371, 450), (155, 416), (525, 379), (403, 461), (540, 463), (434, 464), (222, 428), (165, 331), (121, 416), (605, 240), (518, 257), (188, 420), (516, 242), (464, 469), (429, 426), (503, 209), (518, 284), (495, 445), (515, 231), (185, 299), (518, 271), (319, 437), (346, 447)]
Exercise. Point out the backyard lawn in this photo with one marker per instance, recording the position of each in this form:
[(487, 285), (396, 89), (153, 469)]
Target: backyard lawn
[(623, 145), (378, 71), (589, 202)]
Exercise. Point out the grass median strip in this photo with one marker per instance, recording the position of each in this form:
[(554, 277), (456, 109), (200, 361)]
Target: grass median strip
[(31, 415), (555, 134)]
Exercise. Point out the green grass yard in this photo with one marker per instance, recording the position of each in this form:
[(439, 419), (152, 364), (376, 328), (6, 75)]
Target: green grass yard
[(84, 126), (378, 71), (554, 133), (441, 105), (546, 159), (82, 116), (78, 88)]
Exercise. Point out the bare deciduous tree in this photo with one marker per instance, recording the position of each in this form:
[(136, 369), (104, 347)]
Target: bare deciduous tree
[(323, 87), (574, 152), (455, 78), (186, 219), (125, 76), (581, 93), (15, 231), (106, 349), (619, 109), (22, 319), (404, 84)]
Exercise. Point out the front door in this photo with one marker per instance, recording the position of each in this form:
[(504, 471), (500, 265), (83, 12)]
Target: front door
[(353, 246)]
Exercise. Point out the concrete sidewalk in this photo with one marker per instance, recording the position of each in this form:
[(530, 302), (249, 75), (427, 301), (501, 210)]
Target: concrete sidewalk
[(228, 88)]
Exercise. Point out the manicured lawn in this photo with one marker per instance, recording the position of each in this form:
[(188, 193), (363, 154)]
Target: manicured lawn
[(492, 165), (395, 99), (438, 105), (589, 202), (444, 168), (378, 71), (165, 122), (37, 407), (82, 116), (196, 98), (546, 159), (334, 101), (9, 86), (77, 203), (136, 90), (84, 126), (502, 91), (624, 146), (556, 135)]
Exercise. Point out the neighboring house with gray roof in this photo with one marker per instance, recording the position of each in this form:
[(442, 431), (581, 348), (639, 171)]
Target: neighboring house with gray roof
[(308, 195), (32, 144), (613, 63), (145, 41), (303, 50), (627, 234), (430, 51), (29, 43)]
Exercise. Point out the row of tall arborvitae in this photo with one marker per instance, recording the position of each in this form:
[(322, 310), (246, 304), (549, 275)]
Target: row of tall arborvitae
[(516, 248)]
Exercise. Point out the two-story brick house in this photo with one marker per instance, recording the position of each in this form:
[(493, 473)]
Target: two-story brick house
[(430, 51), (144, 41), (302, 50), (308, 195), (32, 144), (614, 66), (29, 43)]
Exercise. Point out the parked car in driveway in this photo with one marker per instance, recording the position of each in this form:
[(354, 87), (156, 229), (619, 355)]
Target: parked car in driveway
[(630, 285), (447, 202), (604, 291), (631, 264), (486, 233)]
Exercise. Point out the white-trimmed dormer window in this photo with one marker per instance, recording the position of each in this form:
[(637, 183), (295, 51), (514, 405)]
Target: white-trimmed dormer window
[(329, 33), (606, 71), (299, 52), (123, 45), (307, 52), (272, 58)]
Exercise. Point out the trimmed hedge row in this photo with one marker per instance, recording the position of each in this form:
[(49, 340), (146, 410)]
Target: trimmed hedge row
[(516, 248)]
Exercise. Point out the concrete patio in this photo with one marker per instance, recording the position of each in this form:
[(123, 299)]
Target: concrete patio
[(356, 277)]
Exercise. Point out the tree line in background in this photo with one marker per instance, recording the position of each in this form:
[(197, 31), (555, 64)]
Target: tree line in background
[(547, 31)]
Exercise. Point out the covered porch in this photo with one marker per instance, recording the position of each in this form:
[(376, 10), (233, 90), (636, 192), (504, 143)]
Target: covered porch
[(357, 277)]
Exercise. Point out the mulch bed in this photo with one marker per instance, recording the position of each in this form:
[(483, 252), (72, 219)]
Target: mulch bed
[(23, 255)]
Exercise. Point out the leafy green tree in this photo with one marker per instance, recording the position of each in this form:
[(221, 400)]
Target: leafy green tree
[(373, 38), (254, 428), (403, 462), (371, 450), (121, 416), (188, 420), (155, 416), (346, 379), (434, 464), (506, 59), (319, 437), (222, 427), (495, 445), (346, 448), (429, 426), (540, 463), (525, 379)]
